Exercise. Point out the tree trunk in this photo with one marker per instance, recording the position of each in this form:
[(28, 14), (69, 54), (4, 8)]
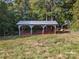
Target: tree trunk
[(46, 16)]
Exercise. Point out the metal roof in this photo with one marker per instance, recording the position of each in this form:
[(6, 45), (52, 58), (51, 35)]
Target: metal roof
[(37, 23)]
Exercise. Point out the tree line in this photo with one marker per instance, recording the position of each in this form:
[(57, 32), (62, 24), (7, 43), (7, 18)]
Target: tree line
[(59, 10)]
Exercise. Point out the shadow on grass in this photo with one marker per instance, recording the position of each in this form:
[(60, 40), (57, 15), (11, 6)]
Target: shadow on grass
[(14, 37)]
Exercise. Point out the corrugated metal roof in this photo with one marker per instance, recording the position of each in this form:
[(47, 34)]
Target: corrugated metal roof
[(37, 23)]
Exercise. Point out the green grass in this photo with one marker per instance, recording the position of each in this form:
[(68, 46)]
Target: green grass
[(51, 46)]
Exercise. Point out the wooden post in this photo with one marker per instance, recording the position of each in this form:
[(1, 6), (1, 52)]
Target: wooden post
[(43, 26), (55, 29), (43, 31), (31, 26), (19, 29)]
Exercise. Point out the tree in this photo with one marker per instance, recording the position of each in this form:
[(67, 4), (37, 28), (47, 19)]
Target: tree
[(59, 10), (75, 22)]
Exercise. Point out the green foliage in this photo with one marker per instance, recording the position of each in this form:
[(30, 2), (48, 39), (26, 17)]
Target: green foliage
[(59, 10), (7, 18)]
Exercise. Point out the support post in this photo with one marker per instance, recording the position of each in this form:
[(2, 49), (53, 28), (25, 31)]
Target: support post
[(43, 31), (19, 29), (55, 29), (31, 27), (43, 26)]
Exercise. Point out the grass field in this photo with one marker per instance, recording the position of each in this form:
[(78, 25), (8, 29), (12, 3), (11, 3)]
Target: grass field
[(50, 46)]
